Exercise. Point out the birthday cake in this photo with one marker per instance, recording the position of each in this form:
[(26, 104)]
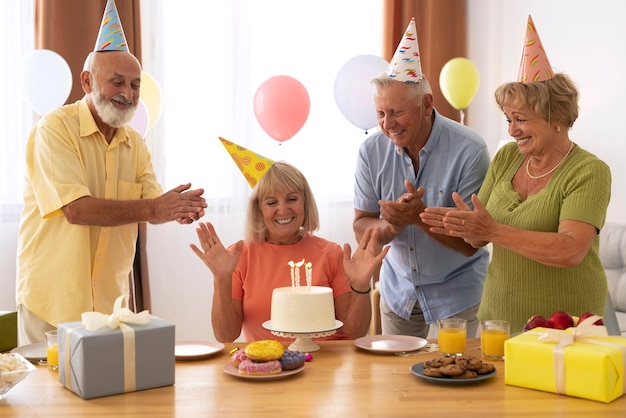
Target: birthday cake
[(303, 309)]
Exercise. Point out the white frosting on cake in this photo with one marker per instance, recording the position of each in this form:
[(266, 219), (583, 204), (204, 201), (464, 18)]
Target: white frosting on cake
[(303, 309)]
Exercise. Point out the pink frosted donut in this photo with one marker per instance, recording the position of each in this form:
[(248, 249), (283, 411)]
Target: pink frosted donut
[(238, 356), (260, 368)]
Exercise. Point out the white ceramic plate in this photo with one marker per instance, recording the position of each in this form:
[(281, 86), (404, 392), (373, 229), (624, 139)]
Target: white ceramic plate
[(268, 326), (32, 352), (418, 370), (230, 369), (390, 343), (196, 350)]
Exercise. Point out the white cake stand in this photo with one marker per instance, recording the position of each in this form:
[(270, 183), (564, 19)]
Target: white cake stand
[(303, 342)]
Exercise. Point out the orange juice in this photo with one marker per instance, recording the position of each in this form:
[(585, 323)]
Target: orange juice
[(452, 340), (492, 342), (52, 354)]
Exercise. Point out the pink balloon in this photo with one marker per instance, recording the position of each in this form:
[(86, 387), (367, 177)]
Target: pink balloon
[(141, 119), (281, 106)]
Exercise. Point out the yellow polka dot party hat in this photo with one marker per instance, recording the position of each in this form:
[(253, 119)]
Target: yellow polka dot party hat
[(252, 165)]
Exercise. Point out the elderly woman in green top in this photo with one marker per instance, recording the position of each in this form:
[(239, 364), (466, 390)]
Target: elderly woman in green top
[(542, 205)]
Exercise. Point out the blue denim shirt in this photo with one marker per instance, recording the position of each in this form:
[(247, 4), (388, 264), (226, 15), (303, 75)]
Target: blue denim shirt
[(418, 268)]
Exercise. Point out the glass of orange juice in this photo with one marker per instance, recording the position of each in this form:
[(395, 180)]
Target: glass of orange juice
[(452, 336), (493, 334), (52, 350)]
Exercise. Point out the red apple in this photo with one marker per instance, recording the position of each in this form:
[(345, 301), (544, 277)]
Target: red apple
[(587, 315), (536, 321), (561, 320)]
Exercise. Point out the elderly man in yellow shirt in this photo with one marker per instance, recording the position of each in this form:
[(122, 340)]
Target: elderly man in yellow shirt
[(89, 182)]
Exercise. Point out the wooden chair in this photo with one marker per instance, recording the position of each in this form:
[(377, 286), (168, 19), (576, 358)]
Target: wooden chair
[(375, 327)]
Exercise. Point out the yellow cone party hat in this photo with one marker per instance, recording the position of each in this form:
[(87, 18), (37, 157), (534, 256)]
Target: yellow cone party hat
[(111, 36), (534, 65), (252, 165), (406, 64)]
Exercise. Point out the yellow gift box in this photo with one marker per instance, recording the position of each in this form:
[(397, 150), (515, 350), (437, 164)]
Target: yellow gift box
[(583, 362)]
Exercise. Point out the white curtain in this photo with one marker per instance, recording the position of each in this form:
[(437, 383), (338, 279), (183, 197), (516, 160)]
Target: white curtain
[(16, 120), (209, 59)]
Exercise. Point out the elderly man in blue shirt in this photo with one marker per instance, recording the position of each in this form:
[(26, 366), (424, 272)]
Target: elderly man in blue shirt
[(417, 160)]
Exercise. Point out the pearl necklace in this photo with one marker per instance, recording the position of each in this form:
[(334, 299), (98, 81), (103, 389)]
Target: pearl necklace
[(554, 168)]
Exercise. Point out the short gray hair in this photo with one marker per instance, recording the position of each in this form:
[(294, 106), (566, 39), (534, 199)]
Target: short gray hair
[(421, 88), (88, 65)]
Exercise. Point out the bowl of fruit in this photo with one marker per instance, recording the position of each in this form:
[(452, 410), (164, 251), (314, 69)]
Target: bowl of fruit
[(558, 320)]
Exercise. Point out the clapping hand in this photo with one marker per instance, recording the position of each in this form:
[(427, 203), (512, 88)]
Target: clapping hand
[(473, 226), (181, 204), (404, 210)]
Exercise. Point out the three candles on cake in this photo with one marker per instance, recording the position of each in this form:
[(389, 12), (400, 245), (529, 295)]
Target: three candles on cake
[(295, 273)]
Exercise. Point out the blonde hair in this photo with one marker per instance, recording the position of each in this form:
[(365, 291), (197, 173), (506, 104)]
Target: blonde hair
[(555, 100), (282, 177)]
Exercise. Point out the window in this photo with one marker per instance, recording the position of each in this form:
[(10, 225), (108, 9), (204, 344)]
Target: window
[(16, 117), (210, 58)]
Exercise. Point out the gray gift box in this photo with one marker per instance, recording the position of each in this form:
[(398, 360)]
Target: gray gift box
[(96, 368)]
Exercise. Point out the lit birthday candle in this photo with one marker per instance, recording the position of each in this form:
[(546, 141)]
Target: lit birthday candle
[(293, 266), (309, 274), (298, 265)]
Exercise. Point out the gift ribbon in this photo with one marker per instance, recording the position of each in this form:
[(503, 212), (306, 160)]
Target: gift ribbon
[(96, 320), (584, 332), (118, 319)]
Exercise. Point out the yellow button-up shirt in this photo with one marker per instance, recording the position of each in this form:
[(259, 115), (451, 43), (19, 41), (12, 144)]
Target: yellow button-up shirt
[(64, 269)]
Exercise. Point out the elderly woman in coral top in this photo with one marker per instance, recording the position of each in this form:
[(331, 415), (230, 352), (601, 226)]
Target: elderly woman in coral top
[(282, 216), (542, 205)]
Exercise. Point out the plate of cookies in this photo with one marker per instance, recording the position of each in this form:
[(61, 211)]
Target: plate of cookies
[(264, 360), (454, 370)]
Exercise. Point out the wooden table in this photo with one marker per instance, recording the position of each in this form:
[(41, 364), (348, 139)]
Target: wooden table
[(341, 381)]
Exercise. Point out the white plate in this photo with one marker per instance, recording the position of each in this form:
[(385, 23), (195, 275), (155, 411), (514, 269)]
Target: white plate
[(32, 352), (390, 343), (230, 369), (196, 350), (268, 326)]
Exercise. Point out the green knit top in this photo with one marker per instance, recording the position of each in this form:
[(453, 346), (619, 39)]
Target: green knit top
[(516, 287)]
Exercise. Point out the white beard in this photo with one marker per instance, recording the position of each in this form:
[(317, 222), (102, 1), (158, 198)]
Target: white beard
[(109, 114)]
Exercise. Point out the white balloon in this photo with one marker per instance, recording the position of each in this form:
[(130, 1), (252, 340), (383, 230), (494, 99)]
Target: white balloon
[(141, 119), (353, 91), (46, 80)]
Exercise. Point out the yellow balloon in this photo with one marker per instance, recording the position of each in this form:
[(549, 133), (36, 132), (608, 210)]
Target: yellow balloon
[(151, 96), (458, 81)]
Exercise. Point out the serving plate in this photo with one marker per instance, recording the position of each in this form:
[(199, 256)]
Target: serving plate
[(196, 350), (390, 343), (32, 352), (418, 370), (268, 326), (229, 368)]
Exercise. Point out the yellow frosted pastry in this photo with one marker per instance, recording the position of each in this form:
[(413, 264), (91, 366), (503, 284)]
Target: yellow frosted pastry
[(264, 350)]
